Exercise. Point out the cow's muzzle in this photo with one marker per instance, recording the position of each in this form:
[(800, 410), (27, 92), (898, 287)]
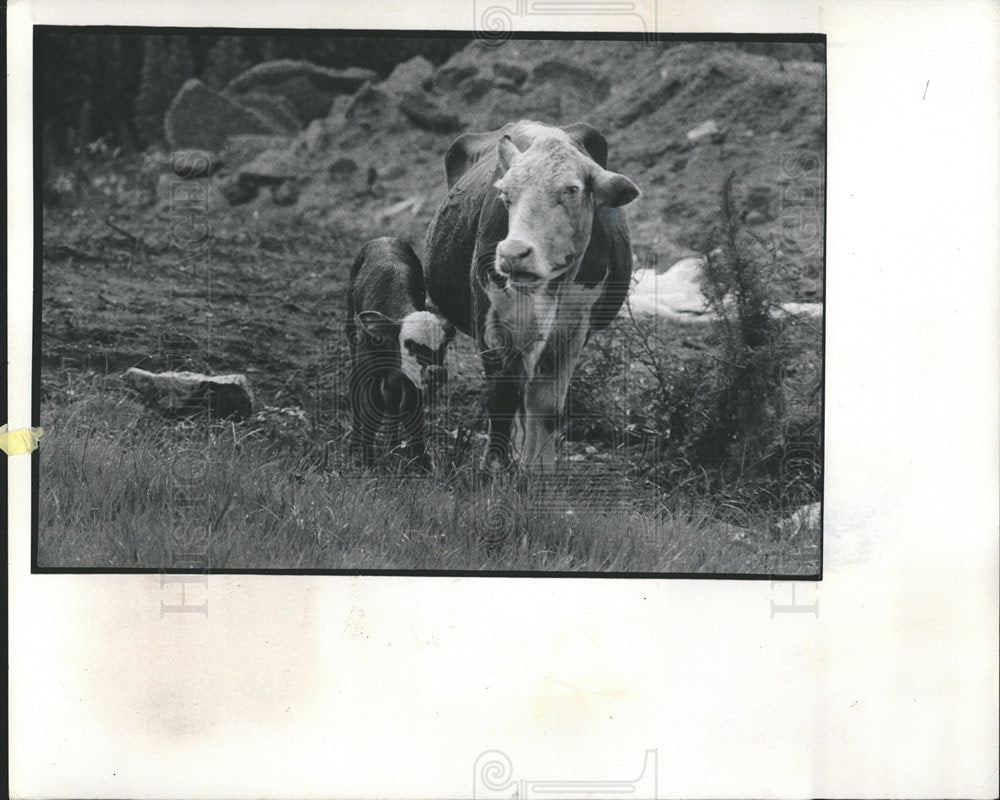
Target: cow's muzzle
[(518, 261)]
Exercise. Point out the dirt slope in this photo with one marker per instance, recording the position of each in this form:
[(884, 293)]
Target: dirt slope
[(263, 294), (769, 130)]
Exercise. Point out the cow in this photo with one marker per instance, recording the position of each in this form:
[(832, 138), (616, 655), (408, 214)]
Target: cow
[(397, 348), (529, 254)]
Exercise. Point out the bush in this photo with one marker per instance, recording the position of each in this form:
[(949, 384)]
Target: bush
[(725, 414)]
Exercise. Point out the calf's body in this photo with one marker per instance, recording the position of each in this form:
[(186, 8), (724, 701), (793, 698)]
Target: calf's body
[(397, 348)]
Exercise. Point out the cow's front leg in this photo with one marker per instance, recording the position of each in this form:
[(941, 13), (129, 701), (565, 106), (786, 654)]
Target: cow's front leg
[(545, 393)]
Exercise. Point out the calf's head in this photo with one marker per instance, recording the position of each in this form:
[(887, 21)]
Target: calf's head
[(551, 191), (421, 339)]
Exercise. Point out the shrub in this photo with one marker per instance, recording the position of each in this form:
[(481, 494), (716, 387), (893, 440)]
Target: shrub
[(720, 413)]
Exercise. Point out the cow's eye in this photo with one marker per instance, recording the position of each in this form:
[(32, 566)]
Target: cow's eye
[(571, 190)]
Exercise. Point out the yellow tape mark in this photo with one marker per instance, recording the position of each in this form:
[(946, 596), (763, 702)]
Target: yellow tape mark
[(23, 440)]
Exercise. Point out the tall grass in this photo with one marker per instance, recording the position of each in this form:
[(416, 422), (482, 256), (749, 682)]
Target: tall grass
[(122, 488)]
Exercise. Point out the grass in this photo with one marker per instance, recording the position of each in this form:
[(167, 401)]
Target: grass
[(121, 488)]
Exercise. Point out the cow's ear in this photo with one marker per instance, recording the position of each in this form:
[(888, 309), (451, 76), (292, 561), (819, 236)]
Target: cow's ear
[(507, 152), (612, 189), (589, 139), (377, 326), (464, 152)]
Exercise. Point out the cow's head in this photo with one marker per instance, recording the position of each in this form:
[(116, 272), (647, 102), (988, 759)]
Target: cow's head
[(551, 191), (422, 339)]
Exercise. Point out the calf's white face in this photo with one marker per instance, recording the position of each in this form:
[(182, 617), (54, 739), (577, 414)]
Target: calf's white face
[(551, 191), (423, 339)]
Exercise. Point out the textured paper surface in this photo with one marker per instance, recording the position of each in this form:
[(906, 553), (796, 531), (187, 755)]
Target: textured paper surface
[(884, 683)]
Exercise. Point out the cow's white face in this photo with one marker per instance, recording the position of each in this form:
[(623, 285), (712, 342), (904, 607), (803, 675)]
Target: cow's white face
[(551, 191)]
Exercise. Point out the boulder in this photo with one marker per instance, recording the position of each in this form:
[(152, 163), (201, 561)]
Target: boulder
[(310, 89), (423, 113), (582, 89), (368, 106), (239, 150), (270, 168), (408, 76), (475, 89), (276, 108), (510, 73), (317, 137), (201, 118), (193, 163), (447, 79), (190, 393), (236, 191), (342, 168)]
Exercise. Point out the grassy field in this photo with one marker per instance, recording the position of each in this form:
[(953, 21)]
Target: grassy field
[(122, 486)]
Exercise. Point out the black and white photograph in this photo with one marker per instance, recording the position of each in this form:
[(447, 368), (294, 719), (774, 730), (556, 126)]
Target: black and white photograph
[(502, 398), (323, 300)]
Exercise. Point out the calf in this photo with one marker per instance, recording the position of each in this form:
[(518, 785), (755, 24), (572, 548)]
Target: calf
[(397, 348)]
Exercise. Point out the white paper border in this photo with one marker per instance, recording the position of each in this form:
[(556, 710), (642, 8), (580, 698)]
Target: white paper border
[(323, 686)]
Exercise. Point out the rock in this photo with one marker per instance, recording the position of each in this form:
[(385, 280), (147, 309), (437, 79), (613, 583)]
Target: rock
[(239, 150), (708, 128), (423, 113), (408, 76), (202, 118), (191, 393), (678, 164), (503, 83), (511, 73), (580, 89), (193, 163), (317, 137), (475, 89), (447, 79), (342, 168), (286, 193), (310, 89), (270, 168), (236, 191), (368, 106), (754, 218), (276, 108)]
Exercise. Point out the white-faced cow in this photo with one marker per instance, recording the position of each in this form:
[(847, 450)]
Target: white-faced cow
[(529, 254), (397, 348)]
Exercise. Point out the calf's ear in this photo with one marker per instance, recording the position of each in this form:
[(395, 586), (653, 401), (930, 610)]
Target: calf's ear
[(377, 326), (507, 152), (612, 189)]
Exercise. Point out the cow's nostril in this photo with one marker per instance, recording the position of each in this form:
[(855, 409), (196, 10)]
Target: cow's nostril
[(514, 250)]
